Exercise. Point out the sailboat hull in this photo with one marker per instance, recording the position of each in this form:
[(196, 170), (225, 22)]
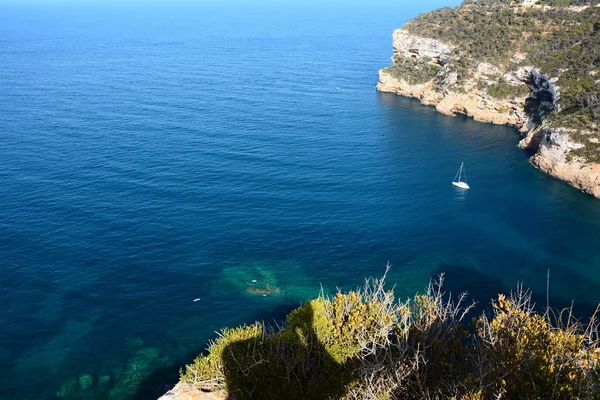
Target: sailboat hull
[(461, 185)]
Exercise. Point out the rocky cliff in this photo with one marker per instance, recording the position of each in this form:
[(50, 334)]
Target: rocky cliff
[(505, 85)]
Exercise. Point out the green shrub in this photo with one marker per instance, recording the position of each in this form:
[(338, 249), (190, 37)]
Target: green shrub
[(413, 71), (504, 90), (367, 344)]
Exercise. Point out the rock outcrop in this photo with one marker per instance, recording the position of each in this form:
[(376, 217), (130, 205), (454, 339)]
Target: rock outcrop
[(418, 47), (186, 391), (537, 96), (551, 157)]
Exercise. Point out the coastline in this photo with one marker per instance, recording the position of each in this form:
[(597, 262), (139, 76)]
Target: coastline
[(550, 144)]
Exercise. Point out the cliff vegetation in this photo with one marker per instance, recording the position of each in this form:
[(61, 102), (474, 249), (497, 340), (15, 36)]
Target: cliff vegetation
[(367, 344), (561, 38)]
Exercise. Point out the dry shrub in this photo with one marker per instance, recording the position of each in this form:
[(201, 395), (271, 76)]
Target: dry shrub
[(520, 352), (366, 344)]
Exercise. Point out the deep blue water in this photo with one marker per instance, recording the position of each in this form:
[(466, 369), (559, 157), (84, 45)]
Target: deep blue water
[(151, 155)]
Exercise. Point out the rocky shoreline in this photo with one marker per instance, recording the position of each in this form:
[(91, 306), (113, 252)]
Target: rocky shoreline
[(551, 145)]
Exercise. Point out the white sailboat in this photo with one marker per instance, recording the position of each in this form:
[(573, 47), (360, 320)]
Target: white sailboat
[(460, 180)]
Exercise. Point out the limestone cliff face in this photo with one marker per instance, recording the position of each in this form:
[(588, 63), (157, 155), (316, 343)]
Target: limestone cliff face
[(527, 112), (477, 105), (551, 157), (409, 45)]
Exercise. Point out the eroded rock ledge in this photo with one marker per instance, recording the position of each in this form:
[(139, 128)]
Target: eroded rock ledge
[(186, 391), (415, 56)]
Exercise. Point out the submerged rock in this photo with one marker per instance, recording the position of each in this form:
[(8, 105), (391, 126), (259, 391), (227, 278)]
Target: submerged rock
[(270, 279), (138, 369), (86, 382), (67, 389), (266, 290)]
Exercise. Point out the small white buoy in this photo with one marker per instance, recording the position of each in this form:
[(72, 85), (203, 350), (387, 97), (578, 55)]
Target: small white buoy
[(195, 300), (337, 88), (254, 281)]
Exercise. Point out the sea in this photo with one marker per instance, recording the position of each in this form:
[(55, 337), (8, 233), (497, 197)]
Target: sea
[(168, 169)]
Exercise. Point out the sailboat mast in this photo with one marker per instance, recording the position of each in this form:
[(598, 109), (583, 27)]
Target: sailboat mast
[(461, 174)]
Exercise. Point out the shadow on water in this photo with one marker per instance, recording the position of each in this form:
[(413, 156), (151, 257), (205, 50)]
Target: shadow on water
[(161, 380), (483, 289)]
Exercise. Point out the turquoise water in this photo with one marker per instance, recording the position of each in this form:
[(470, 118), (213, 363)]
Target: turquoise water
[(153, 155)]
